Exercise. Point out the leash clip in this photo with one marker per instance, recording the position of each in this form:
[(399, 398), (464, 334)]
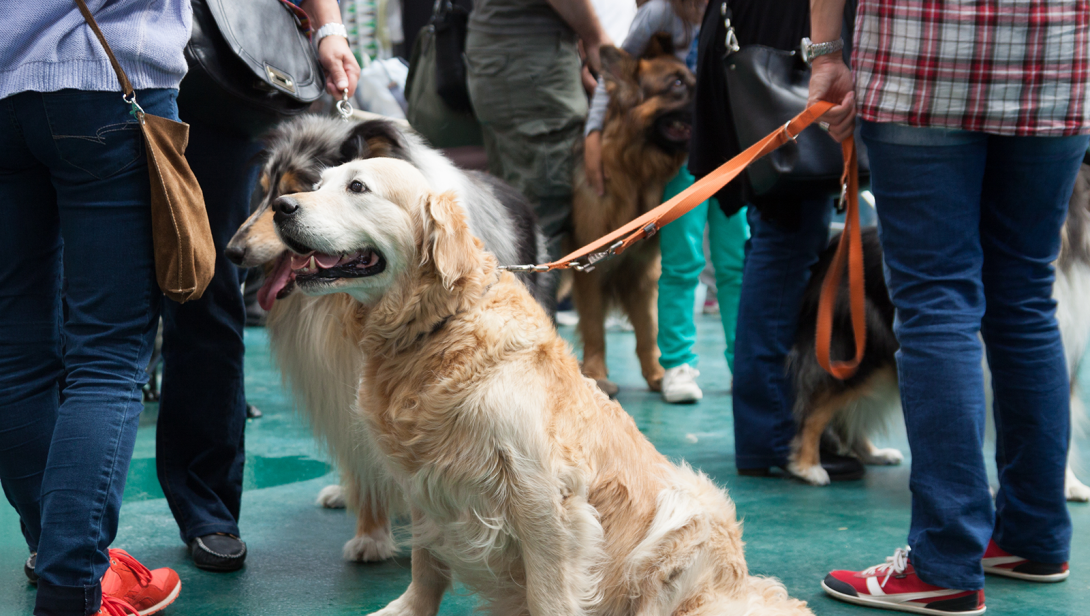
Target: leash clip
[(842, 202), (344, 108), (523, 268)]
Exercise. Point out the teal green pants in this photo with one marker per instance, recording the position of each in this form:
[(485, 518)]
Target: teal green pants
[(682, 243)]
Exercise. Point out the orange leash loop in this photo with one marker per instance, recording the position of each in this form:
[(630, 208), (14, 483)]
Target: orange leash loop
[(849, 253)]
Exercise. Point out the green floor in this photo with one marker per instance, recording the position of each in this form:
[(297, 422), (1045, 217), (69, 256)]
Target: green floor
[(792, 531)]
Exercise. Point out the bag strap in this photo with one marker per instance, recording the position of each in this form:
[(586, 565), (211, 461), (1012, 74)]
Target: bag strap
[(849, 252), (126, 85)]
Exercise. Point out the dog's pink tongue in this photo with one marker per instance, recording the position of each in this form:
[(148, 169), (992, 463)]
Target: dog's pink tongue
[(275, 282)]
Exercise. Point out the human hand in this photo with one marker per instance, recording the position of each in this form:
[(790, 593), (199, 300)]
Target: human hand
[(831, 80), (341, 69), (592, 160), (594, 52)]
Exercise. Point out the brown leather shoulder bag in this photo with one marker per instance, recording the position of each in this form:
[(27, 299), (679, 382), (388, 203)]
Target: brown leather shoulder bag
[(185, 257)]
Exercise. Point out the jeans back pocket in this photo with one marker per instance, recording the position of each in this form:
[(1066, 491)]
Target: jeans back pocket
[(94, 132)]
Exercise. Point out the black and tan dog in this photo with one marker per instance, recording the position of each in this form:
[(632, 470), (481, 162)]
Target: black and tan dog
[(644, 143), (854, 409)]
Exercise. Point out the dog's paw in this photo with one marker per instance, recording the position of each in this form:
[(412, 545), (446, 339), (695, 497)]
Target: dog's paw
[(884, 457), (608, 387), (371, 548), (1075, 490), (331, 497), (813, 475)]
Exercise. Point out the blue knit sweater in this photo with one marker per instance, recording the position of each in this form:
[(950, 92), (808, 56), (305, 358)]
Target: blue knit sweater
[(45, 45)]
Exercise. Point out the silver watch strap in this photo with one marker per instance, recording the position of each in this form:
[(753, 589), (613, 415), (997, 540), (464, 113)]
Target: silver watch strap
[(811, 50), (330, 29)]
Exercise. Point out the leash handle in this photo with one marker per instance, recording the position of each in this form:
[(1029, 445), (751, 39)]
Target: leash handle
[(849, 253)]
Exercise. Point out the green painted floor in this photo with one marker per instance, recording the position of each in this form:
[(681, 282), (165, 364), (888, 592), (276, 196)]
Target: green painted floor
[(792, 531)]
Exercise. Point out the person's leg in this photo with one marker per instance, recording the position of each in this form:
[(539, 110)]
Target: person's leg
[(528, 95), (30, 341), (95, 152), (927, 184), (728, 251), (682, 246), (199, 450), (1027, 185), (777, 268)]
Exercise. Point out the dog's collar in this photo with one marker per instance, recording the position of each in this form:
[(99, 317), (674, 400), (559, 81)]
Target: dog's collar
[(442, 322)]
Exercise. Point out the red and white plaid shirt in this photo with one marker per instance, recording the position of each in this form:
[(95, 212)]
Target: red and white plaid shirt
[(1007, 67)]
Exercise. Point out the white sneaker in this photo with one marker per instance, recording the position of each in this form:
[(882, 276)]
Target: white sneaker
[(679, 385)]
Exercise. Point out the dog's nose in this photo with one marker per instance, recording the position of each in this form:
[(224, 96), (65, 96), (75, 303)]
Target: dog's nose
[(285, 206), (235, 254)]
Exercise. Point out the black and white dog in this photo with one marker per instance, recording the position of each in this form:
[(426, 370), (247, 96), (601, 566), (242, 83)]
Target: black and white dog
[(856, 408)]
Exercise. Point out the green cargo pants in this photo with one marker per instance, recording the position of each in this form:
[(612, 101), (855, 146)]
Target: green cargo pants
[(528, 95)]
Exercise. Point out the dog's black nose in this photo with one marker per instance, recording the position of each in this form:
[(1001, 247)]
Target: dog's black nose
[(285, 206), (235, 254)]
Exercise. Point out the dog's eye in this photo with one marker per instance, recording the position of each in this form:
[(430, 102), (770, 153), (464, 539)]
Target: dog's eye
[(357, 186), (678, 83)]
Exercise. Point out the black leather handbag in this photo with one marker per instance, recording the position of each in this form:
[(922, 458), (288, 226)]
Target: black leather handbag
[(767, 87), (250, 66)]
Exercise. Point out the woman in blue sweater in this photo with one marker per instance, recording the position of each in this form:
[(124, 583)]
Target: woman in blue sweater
[(75, 201)]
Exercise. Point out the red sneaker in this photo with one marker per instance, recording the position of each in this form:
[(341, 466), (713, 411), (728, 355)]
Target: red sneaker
[(895, 586), (133, 584), (998, 562)]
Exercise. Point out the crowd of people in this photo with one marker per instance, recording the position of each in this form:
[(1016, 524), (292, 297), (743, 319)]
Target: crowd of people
[(975, 116)]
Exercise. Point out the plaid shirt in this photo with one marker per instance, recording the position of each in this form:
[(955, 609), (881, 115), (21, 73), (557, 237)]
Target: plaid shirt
[(1007, 67)]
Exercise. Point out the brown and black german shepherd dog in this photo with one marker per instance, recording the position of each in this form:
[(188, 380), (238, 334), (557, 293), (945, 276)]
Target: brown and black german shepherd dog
[(644, 143)]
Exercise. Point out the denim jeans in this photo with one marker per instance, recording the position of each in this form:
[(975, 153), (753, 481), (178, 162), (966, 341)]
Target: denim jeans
[(682, 244), (777, 269), (970, 224), (74, 198), (200, 450)]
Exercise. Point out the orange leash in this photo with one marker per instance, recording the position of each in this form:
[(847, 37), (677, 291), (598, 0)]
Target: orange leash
[(585, 258)]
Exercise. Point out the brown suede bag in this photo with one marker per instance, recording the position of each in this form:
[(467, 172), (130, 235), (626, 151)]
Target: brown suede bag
[(185, 256)]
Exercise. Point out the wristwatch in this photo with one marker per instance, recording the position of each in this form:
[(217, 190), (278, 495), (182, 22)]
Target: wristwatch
[(328, 29), (811, 50)]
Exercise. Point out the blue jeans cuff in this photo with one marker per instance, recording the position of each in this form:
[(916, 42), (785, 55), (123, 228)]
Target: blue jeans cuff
[(56, 600)]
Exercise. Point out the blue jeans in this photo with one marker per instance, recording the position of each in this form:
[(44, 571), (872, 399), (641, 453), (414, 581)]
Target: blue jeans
[(970, 224), (777, 269), (74, 198), (200, 450)]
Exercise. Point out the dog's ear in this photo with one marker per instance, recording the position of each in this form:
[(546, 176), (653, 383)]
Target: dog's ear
[(373, 138), (617, 65), (447, 240), (661, 44)]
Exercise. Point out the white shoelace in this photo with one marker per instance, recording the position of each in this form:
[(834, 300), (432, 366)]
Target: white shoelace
[(894, 565)]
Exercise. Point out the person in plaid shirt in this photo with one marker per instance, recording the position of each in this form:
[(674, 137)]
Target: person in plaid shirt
[(975, 116)]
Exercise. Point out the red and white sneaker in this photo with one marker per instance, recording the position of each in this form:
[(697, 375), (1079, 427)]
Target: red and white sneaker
[(998, 562), (134, 585), (895, 586)]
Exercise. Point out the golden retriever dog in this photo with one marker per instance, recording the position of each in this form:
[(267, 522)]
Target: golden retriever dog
[(644, 143), (526, 483), (318, 362)]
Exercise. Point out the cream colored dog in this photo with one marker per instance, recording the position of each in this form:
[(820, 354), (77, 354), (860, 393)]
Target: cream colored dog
[(526, 483)]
